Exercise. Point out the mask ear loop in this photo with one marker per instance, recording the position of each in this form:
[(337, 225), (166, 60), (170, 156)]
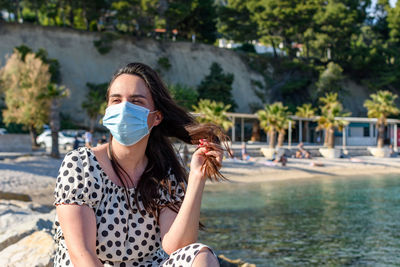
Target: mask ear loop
[(151, 112)]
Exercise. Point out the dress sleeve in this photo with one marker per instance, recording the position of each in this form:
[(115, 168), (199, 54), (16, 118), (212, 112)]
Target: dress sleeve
[(176, 195), (76, 183)]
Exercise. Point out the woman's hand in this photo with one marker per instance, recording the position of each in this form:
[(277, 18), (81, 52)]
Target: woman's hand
[(205, 149)]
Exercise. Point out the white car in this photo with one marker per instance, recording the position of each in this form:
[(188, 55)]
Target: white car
[(65, 140)]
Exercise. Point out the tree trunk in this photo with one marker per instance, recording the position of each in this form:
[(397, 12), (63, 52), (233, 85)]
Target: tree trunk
[(33, 134), (71, 14), (92, 123), (306, 128), (84, 9), (272, 139), (326, 136), (255, 133), (307, 49), (274, 48), (381, 135), (17, 11), (281, 138), (331, 138), (55, 127), (37, 16)]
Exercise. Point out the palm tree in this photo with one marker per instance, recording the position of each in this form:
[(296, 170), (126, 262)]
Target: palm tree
[(94, 102), (274, 118), (283, 124), (55, 93), (380, 106), (328, 121), (308, 112), (214, 112)]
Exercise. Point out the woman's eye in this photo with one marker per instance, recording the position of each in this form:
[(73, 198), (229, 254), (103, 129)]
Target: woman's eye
[(115, 101)]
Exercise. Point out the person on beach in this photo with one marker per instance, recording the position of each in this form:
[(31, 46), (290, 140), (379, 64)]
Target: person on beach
[(130, 202), (88, 138), (302, 153)]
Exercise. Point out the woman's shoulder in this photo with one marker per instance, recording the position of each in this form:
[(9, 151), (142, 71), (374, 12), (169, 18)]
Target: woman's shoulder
[(79, 154), (79, 178)]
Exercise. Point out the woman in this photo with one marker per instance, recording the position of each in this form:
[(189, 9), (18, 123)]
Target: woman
[(129, 202)]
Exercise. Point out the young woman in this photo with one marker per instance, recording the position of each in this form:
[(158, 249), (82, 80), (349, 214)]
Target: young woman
[(130, 202)]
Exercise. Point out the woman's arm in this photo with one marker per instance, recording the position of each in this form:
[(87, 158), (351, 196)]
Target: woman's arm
[(78, 224), (181, 229)]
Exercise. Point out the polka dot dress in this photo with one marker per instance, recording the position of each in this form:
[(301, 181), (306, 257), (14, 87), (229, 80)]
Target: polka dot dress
[(124, 237)]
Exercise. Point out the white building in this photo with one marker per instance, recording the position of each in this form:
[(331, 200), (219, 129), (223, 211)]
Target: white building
[(259, 47)]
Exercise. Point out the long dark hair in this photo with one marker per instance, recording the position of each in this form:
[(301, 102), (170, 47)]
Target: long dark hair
[(162, 158)]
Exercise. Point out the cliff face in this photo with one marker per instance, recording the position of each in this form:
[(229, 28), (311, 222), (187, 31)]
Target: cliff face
[(80, 61)]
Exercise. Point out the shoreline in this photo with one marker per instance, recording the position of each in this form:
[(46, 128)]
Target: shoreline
[(256, 172)]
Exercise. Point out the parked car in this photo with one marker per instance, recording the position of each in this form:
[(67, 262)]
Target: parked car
[(3, 131), (65, 140), (74, 132)]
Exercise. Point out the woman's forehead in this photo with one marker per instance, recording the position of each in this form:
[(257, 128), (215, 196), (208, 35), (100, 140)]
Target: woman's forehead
[(127, 84)]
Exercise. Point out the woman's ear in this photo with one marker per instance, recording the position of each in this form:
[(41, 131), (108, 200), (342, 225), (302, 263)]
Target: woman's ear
[(158, 118)]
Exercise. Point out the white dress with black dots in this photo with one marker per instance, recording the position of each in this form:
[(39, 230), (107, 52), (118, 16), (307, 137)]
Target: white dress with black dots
[(124, 237)]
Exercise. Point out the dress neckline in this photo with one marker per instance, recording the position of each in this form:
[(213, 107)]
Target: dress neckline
[(105, 174)]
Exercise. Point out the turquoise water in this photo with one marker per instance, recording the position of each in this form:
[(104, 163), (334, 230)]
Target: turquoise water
[(339, 221)]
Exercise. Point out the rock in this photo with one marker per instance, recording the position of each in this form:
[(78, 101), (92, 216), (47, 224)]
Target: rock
[(20, 219), (225, 262), (14, 196), (34, 250)]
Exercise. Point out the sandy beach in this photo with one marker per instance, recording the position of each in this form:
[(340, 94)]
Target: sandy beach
[(36, 175), (263, 171)]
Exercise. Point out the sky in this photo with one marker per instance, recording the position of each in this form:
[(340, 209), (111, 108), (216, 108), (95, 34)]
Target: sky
[(392, 2)]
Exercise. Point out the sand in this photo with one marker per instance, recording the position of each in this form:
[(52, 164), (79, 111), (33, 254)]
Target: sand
[(36, 175), (262, 170)]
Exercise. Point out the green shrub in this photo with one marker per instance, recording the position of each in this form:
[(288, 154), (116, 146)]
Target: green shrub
[(183, 95), (164, 63), (217, 86), (246, 47), (104, 44)]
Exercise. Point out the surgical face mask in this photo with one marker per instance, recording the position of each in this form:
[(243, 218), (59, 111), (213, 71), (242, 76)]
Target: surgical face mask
[(127, 122)]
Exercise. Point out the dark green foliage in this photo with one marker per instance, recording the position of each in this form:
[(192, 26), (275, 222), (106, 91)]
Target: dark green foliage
[(23, 49), (217, 86), (234, 22), (28, 16), (183, 95), (362, 38), (178, 10), (201, 21), (104, 44), (249, 48), (68, 122), (330, 80), (95, 99), (164, 63), (285, 80), (54, 65), (12, 127)]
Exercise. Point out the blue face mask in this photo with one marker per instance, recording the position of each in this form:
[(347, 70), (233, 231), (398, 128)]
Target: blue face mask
[(127, 122)]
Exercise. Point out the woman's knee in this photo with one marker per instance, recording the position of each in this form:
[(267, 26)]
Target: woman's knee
[(205, 257)]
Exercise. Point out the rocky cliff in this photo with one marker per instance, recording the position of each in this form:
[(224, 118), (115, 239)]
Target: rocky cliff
[(80, 61)]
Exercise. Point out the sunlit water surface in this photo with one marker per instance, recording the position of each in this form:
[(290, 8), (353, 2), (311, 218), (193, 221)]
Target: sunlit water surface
[(328, 221)]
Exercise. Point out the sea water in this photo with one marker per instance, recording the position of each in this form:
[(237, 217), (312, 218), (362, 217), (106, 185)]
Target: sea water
[(328, 221)]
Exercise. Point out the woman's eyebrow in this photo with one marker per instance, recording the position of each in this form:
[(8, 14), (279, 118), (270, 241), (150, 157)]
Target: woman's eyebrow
[(131, 96), (137, 96), (115, 95)]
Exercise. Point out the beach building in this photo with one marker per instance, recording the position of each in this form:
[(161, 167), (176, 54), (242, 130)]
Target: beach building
[(359, 131)]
